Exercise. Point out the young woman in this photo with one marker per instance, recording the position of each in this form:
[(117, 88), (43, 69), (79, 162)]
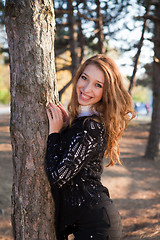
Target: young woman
[(99, 111)]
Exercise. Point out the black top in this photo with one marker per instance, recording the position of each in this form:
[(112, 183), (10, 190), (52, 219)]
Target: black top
[(74, 161)]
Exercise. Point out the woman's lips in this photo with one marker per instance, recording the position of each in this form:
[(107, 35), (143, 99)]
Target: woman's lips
[(84, 96)]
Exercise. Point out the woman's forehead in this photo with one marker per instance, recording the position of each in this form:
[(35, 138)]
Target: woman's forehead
[(93, 71)]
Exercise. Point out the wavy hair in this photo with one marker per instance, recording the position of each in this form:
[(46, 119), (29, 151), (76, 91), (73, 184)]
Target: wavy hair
[(115, 109)]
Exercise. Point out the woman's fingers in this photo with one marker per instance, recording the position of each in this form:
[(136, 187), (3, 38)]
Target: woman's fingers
[(65, 114), (49, 114), (55, 111), (55, 118), (62, 109), (60, 105)]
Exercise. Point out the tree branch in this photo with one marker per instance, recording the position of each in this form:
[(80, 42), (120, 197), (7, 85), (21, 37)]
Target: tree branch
[(150, 17)]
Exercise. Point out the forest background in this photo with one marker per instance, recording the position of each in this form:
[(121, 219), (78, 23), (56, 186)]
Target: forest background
[(90, 27), (128, 31)]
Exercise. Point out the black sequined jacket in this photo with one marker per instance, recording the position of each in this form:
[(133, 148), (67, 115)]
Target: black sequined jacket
[(74, 161)]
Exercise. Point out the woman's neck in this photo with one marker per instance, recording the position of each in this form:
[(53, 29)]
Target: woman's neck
[(85, 111)]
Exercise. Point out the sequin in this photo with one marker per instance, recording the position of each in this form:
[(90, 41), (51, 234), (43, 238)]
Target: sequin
[(74, 162)]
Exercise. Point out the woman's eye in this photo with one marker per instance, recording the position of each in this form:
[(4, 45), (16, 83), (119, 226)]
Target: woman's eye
[(83, 77), (98, 85)]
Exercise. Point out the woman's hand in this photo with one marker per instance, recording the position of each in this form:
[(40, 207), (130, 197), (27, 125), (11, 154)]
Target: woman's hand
[(64, 113), (55, 117)]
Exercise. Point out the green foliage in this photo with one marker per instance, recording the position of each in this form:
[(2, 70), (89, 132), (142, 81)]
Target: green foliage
[(4, 96), (4, 83), (141, 94)]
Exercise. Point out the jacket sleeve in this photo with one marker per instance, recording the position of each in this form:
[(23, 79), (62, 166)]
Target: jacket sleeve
[(85, 144)]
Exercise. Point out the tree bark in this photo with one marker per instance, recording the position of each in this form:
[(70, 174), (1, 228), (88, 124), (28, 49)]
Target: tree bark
[(153, 146), (30, 29)]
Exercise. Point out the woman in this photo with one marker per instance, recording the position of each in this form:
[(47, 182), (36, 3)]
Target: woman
[(99, 111)]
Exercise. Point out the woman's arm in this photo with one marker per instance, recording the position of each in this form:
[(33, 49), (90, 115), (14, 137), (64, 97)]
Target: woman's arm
[(83, 146)]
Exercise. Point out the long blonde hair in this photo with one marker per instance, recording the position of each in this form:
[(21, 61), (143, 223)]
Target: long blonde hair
[(115, 109)]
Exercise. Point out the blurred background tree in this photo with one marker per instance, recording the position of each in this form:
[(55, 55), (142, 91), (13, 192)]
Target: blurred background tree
[(153, 146)]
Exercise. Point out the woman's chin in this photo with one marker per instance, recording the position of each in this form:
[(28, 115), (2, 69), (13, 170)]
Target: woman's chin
[(82, 103)]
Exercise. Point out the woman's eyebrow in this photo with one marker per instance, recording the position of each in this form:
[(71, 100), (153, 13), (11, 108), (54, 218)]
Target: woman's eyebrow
[(85, 74), (100, 82)]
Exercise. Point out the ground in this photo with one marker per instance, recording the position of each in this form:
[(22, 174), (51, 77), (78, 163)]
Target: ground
[(134, 186)]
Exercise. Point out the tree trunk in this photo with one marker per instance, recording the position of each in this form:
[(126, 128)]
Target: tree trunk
[(80, 38), (30, 29), (64, 89), (73, 45), (153, 147), (99, 25), (73, 37), (133, 77)]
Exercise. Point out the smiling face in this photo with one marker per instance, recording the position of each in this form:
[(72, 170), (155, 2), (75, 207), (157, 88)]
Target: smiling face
[(90, 85)]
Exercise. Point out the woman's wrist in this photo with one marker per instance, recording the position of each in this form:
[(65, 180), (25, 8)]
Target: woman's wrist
[(54, 131), (50, 133)]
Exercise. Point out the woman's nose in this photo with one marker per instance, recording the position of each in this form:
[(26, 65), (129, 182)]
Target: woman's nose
[(87, 87)]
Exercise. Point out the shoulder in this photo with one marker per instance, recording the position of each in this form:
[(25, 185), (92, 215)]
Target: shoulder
[(88, 124), (93, 124)]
